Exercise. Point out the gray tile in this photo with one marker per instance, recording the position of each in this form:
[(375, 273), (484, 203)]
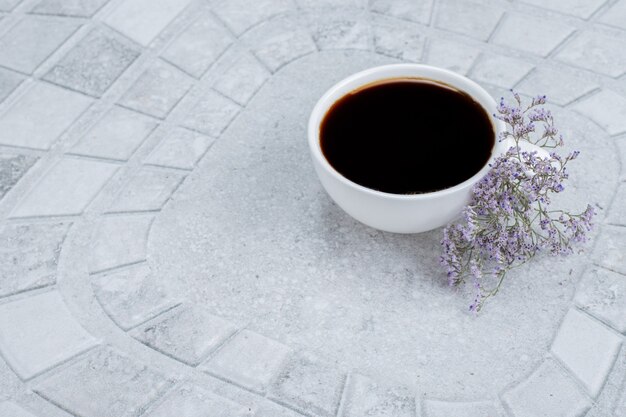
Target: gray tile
[(116, 136), (560, 87), (104, 383), (179, 148), (191, 401), (456, 56), (210, 113), (37, 118), (580, 8), (242, 79), (9, 81), (147, 190), (188, 334), (157, 90), (415, 10), (239, 15), (309, 385), (615, 15), (397, 39), (12, 168), (473, 19), (198, 46), (596, 51), (8, 5), (365, 397), (29, 255), (94, 63), (131, 296), (78, 8), (32, 40)]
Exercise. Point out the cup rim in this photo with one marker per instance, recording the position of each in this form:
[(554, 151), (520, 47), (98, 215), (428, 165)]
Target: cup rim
[(459, 82)]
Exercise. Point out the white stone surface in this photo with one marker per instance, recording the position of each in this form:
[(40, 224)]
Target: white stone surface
[(39, 332), (119, 241), (251, 239), (187, 334), (179, 148), (249, 359), (143, 20), (66, 189), (38, 118), (116, 136), (605, 108), (617, 213), (147, 191), (132, 296), (199, 46), (547, 393), (31, 41), (587, 348), (531, 34)]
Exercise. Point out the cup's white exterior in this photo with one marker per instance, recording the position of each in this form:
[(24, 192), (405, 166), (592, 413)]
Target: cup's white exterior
[(396, 212)]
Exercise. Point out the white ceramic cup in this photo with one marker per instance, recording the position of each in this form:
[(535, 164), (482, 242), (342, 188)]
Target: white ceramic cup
[(398, 213)]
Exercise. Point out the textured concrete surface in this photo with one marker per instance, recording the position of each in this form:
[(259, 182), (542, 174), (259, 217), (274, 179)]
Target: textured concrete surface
[(166, 249)]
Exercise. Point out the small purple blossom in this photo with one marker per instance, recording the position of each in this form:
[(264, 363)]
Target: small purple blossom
[(509, 220)]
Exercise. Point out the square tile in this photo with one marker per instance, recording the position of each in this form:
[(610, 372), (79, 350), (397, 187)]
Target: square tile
[(210, 113), (39, 332), (587, 348), (547, 392), (239, 16), (66, 189), (579, 8), (179, 148), (249, 359), (242, 79), (132, 295), (476, 20), (9, 81), (119, 241), (500, 70), (455, 56), (191, 401), (602, 293), (12, 168), (143, 20), (26, 45), (38, 118), (116, 136), (415, 10), (596, 51), (605, 108), (560, 87), (104, 383), (29, 255), (147, 191), (77, 8), (531, 33), (309, 385), (199, 46), (93, 64), (157, 90), (187, 334)]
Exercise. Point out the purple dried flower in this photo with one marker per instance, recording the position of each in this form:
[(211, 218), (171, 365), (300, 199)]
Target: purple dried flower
[(509, 220)]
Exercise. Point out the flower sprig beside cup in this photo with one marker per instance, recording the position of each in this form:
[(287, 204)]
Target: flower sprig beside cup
[(509, 218)]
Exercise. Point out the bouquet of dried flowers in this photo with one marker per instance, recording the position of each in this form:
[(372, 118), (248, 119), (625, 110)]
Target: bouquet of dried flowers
[(509, 219)]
